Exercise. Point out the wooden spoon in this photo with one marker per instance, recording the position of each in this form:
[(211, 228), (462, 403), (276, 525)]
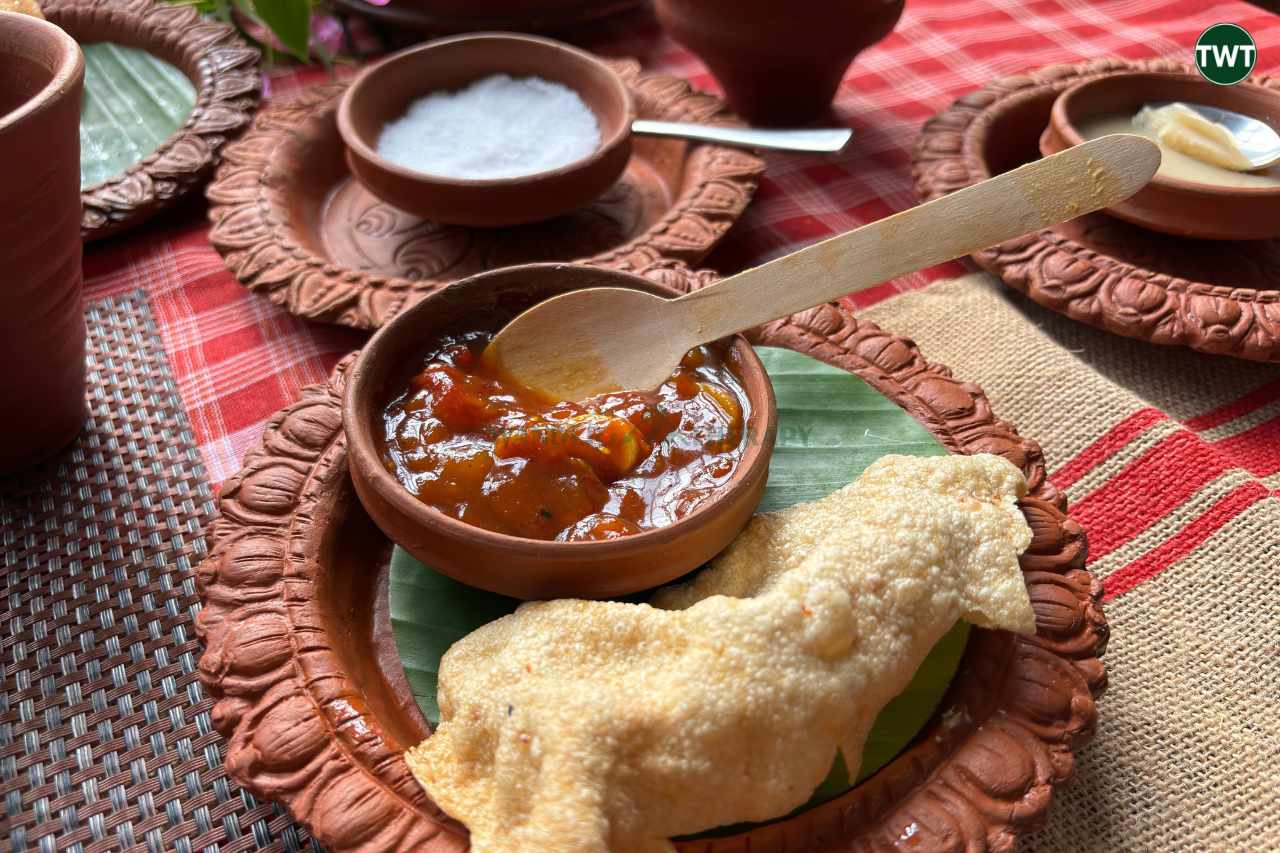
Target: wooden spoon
[(592, 341)]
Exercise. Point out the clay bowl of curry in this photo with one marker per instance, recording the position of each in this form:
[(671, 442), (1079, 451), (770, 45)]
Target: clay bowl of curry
[(487, 188), (537, 498), (1187, 197)]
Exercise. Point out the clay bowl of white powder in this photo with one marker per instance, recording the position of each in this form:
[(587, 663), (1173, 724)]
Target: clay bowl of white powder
[(487, 129)]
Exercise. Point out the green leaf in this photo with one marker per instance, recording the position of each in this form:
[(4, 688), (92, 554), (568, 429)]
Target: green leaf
[(290, 20), (831, 426), (132, 102), (429, 613)]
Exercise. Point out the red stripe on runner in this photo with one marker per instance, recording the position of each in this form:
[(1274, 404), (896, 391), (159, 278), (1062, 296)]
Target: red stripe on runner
[(1255, 399), (1184, 541), (1146, 490), (1101, 449), (1257, 450)]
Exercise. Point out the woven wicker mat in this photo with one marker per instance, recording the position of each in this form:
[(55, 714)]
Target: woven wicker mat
[(105, 737)]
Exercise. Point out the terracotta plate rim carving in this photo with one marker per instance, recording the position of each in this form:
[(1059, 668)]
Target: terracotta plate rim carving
[(218, 62), (292, 641), (1079, 281), (259, 240)]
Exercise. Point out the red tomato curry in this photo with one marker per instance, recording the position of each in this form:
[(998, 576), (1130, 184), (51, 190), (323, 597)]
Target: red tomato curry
[(500, 457)]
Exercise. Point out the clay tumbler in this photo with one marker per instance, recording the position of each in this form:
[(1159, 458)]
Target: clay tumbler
[(42, 332)]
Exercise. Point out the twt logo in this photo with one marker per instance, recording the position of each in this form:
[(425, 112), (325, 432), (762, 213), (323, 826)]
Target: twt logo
[(1225, 54)]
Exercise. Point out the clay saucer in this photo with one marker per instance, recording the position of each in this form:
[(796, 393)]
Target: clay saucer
[(290, 221), (317, 710), (1212, 296), (220, 65), (464, 16)]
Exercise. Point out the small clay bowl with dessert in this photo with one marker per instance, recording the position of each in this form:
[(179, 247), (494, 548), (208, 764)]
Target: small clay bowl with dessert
[(384, 91), (520, 565), (1173, 205)]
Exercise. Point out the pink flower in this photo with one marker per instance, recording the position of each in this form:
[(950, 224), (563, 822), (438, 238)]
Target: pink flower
[(326, 34)]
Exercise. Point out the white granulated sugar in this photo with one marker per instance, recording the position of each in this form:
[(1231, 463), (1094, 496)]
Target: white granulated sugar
[(496, 127)]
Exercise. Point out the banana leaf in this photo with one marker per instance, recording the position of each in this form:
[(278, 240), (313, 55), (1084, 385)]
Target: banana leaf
[(133, 101), (831, 426)]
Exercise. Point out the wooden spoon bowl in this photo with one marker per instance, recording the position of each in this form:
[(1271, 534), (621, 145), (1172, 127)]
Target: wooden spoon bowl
[(513, 565), (384, 91)]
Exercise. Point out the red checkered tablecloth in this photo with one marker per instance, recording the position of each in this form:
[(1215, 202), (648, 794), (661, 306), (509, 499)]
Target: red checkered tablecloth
[(237, 358), (1171, 460)]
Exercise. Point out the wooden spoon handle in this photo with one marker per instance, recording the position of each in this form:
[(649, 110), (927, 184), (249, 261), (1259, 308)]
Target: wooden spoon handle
[(1080, 180)]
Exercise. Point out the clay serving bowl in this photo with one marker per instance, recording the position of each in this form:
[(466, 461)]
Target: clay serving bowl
[(383, 92), (513, 565), (1172, 205)]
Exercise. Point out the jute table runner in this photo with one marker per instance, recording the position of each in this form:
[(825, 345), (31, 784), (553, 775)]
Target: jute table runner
[(1171, 460)]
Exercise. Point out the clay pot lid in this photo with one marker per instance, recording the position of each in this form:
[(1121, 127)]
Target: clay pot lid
[(321, 724), (384, 90), (1213, 296), (512, 565), (1167, 204), (290, 221), (218, 62)]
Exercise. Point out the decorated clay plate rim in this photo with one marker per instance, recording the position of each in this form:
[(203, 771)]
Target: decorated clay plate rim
[(946, 157), (267, 253), (300, 729), (221, 66)]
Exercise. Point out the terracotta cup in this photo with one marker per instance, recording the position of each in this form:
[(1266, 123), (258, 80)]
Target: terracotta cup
[(42, 332), (779, 62)]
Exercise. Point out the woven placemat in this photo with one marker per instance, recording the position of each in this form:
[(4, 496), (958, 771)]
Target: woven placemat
[(105, 737)]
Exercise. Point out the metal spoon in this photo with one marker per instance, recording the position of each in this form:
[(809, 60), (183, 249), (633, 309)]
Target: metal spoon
[(819, 139), (1257, 140)]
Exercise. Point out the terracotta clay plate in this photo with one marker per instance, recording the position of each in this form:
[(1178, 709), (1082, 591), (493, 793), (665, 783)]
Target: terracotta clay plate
[(462, 16), (317, 711), (291, 222), (220, 65), (1213, 296)]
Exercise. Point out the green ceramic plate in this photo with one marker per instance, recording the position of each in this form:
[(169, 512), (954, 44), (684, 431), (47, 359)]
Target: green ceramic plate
[(133, 101), (831, 426)]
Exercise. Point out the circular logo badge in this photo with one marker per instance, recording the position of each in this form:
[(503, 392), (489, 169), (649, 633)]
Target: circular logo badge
[(1225, 54)]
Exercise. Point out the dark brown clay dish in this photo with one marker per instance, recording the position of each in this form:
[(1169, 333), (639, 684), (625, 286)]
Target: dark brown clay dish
[(291, 222), (515, 565), (384, 91), (779, 63), (1167, 204), (221, 66), (1213, 296), (442, 17), (321, 724)]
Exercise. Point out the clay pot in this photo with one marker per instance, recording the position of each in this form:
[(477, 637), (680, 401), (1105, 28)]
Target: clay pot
[(779, 62), (42, 332), (1172, 205), (383, 92), (513, 565)]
